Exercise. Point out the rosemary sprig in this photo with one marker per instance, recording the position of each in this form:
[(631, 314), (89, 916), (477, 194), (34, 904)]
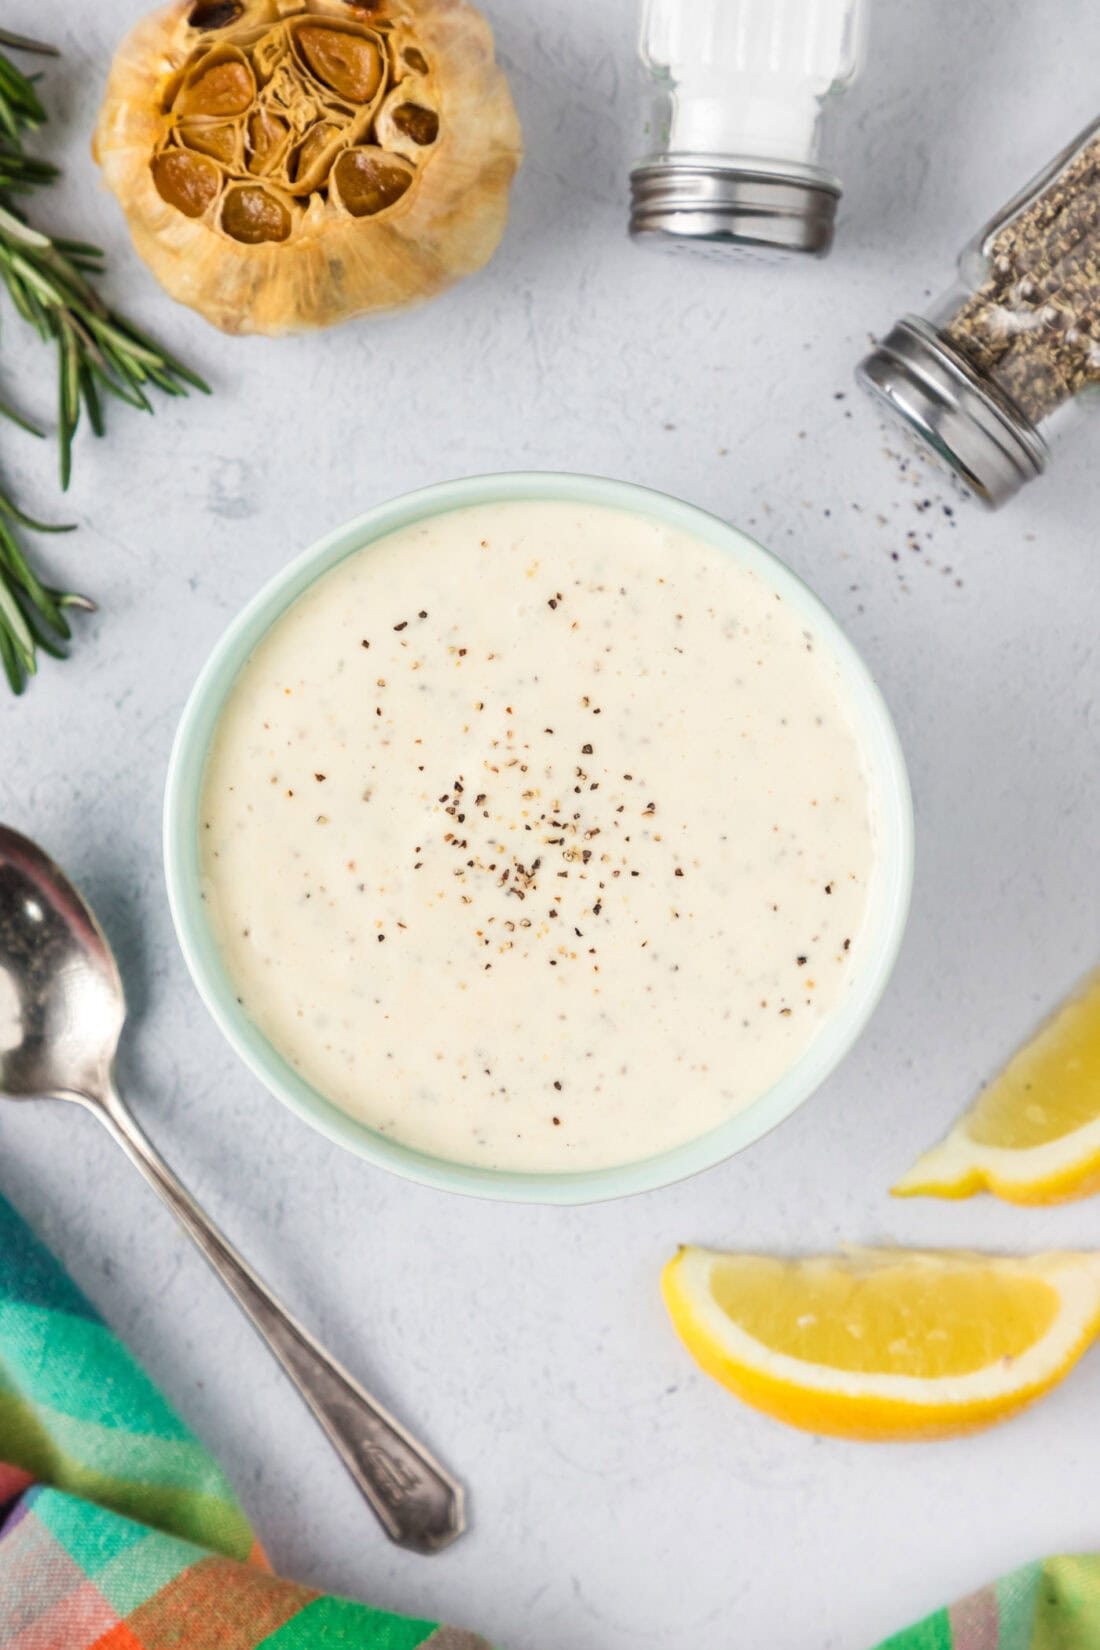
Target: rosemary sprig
[(32, 614), (99, 353), (97, 349)]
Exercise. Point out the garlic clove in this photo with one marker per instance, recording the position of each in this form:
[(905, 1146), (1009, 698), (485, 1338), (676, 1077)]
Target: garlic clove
[(189, 182), (220, 141), (214, 14), (407, 121), (220, 84), (253, 213), (266, 142), (309, 162), (345, 58), (411, 60), (368, 181)]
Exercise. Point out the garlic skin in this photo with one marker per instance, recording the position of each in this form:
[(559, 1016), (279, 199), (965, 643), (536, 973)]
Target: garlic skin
[(287, 164)]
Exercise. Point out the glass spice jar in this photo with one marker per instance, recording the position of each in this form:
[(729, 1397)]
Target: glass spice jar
[(992, 369), (738, 90)]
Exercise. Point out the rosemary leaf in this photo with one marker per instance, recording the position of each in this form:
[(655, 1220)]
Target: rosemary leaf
[(14, 417), (23, 43), (18, 233), (9, 508), (10, 662), (14, 622), (91, 398)]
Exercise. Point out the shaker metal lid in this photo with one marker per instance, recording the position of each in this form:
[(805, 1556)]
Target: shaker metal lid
[(967, 422), (734, 205)]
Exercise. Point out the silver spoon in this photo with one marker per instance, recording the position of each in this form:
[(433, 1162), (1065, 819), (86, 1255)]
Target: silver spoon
[(61, 1015)]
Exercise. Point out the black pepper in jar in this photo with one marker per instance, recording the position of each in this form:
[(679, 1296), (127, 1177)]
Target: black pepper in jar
[(981, 377)]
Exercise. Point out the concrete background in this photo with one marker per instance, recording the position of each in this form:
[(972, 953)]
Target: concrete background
[(618, 1497)]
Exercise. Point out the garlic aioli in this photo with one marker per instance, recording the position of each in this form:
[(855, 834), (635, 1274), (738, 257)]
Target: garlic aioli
[(537, 836)]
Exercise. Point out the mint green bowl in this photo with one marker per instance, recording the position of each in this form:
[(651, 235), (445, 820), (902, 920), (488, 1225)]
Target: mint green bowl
[(890, 892)]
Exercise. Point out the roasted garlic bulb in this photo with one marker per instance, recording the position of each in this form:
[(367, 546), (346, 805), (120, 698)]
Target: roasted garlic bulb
[(285, 164)]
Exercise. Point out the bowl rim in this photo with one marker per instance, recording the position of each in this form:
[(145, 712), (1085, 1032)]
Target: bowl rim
[(883, 756)]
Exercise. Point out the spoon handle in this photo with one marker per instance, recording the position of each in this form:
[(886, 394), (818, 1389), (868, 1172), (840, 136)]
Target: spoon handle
[(419, 1505)]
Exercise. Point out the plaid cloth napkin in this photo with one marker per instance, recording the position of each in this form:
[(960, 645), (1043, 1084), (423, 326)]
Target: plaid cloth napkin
[(117, 1529), (119, 1532), (1052, 1605)]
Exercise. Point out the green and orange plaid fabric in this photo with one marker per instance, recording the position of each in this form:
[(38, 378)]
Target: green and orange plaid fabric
[(1051, 1605), (118, 1531)]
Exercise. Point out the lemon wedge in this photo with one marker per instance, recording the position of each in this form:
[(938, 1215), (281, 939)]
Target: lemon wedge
[(1033, 1136), (885, 1343)]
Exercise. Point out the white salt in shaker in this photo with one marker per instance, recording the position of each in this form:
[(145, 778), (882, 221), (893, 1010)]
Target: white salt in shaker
[(738, 90)]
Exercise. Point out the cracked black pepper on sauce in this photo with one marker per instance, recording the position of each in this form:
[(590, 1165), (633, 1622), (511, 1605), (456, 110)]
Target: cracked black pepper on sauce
[(594, 847)]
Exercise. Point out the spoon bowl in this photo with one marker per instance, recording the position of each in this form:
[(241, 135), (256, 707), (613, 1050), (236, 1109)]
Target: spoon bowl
[(62, 1005)]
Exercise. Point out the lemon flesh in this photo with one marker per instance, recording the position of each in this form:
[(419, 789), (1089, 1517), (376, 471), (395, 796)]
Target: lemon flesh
[(889, 1316)]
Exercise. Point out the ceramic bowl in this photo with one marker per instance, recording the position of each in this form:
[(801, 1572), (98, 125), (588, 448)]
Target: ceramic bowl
[(890, 891)]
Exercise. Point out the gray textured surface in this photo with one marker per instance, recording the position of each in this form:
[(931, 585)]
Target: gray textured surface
[(618, 1497)]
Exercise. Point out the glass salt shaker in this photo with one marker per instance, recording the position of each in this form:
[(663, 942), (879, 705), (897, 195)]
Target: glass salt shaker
[(739, 90), (1001, 362)]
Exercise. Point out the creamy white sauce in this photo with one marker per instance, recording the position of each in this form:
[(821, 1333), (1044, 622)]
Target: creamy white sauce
[(538, 836)]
